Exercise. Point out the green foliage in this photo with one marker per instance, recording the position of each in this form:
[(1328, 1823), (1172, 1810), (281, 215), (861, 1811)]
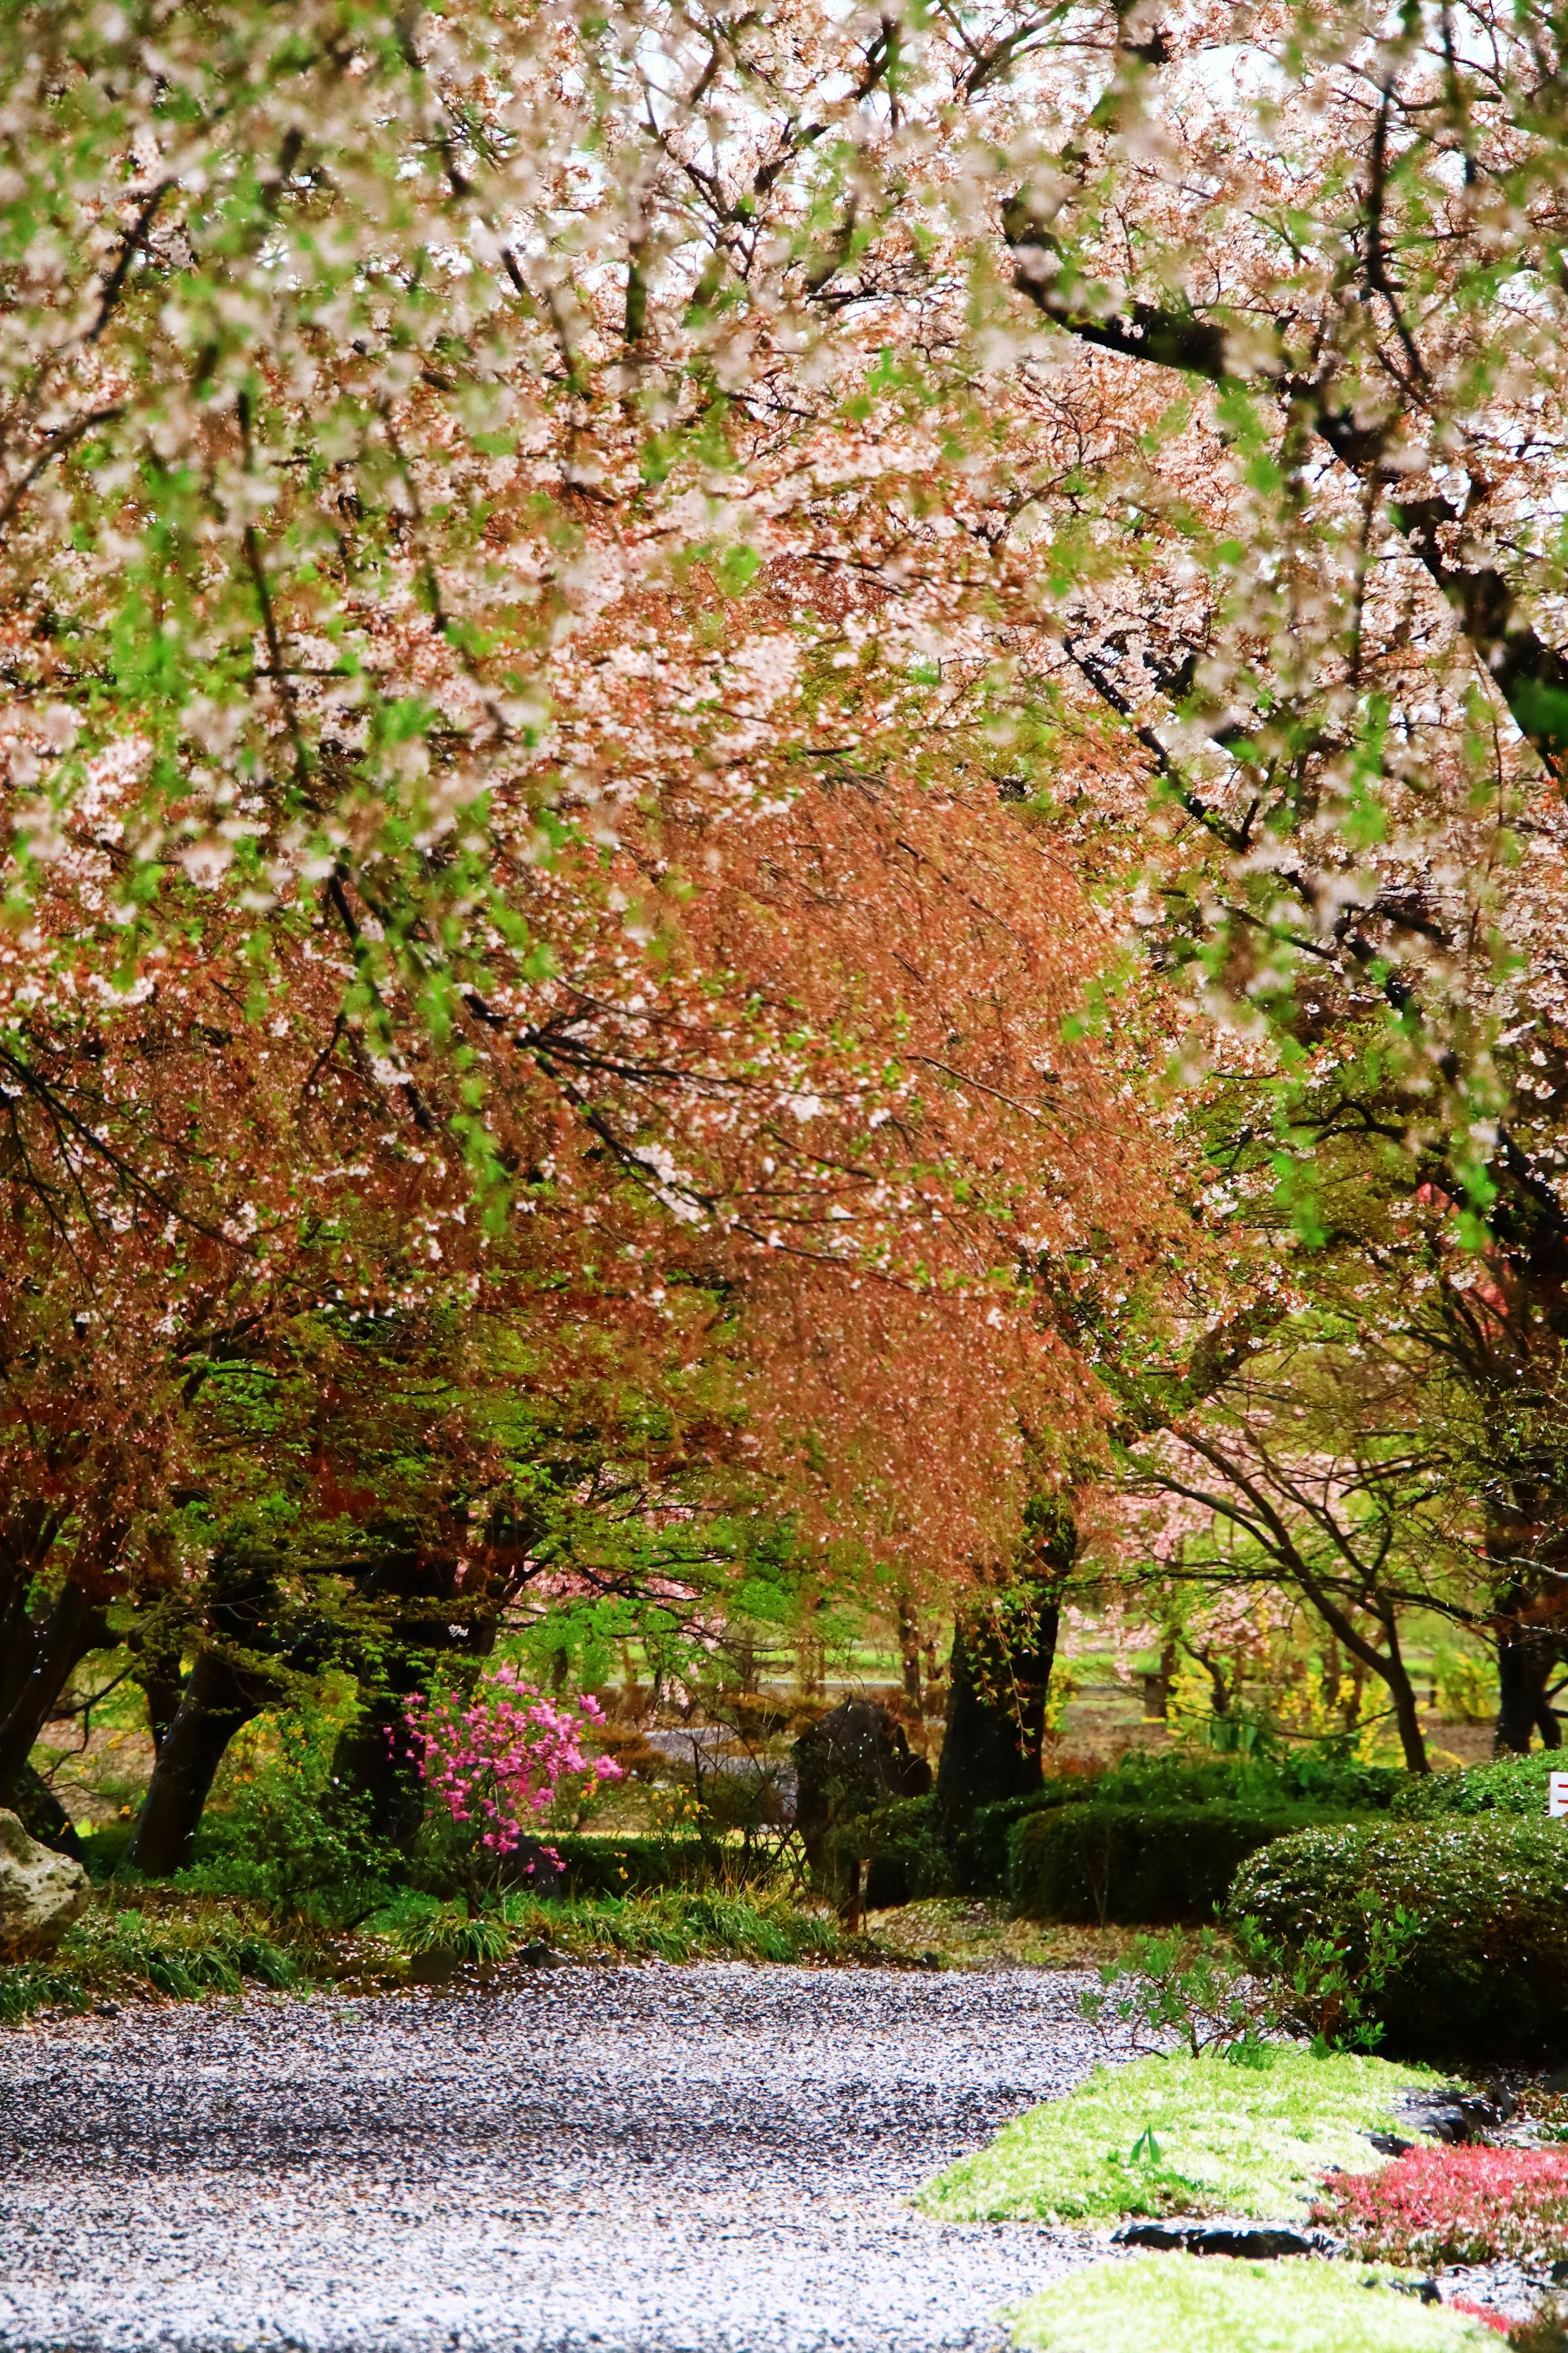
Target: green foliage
[(32, 1985), (1198, 2304), (695, 1923), (600, 1865), (292, 1839), (463, 1935), (908, 1855), (665, 1924), (1102, 1862), (1229, 2140), (1204, 1995), (1215, 1997), (1483, 1973)]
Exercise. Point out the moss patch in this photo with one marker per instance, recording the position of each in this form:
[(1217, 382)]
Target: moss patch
[(1198, 2304), (1178, 2134)]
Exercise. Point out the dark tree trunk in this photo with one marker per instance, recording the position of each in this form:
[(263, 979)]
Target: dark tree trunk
[(1519, 1693), (161, 1675), (218, 1701), (377, 1759), (43, 1817), (377, 1756), (219, 1696), (1407, 1719), (41, 1657), (909, 1652), (1002, 1658)]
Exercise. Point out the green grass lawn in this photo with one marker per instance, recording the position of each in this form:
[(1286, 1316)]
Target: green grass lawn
[(1179, 2135), (1209, 2303)]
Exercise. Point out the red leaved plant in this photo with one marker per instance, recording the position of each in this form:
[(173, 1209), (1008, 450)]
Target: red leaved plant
[(1454, 2206)]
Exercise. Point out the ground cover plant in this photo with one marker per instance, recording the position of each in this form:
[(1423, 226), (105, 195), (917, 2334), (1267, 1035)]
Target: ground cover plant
[(1436, 2206), (1179, 2134), (1211, 2304)]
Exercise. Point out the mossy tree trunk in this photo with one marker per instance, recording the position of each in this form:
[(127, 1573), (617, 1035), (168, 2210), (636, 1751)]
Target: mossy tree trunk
[(1004, 1647)]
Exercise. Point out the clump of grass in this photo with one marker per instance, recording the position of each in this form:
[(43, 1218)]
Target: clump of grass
[(1194, 2303), (127, 1953), (27, 1987), (679, 1924), (1182, 2135), (665, 1924)]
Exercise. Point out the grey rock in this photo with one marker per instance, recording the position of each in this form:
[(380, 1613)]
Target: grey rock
[(1182, 2235), (41, 1893), (1457, 2116)]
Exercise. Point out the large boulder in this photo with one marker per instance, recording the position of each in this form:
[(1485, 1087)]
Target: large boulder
[(854, 1758), (40, 1893)]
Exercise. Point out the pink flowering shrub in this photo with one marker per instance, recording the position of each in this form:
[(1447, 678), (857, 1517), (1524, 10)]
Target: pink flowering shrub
[(1454, 2206), (497, 1759)]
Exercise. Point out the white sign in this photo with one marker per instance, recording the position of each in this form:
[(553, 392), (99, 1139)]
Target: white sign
[(1557, 1793)]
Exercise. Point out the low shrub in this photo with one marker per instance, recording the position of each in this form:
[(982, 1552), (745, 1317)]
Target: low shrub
[(1182, 2135), (1322, 1786), (673, 1924), (1509, 1785), (1239, 2001), (294, 1840), (1485, 1974), (1132, 1863), (1455, 2205), (1195, 2304), (902, 1843)]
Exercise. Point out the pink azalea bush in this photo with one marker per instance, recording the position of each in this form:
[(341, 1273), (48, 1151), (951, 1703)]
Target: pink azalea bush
[(1454, 2206), (497, 1759)]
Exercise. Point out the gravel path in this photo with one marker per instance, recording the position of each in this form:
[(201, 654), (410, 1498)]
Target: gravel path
[(648, 2161)]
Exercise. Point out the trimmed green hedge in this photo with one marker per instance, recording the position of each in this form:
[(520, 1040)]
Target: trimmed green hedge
[(1138, 1864), (1318, 1788), (1487, 1974), (630, 1866)]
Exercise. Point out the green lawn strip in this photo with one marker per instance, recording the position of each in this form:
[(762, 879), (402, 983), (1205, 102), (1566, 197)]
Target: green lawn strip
[(1179, 2134), (1213, 2304)]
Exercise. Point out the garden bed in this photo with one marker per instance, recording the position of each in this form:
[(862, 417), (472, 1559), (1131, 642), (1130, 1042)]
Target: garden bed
[(1184, 2135)]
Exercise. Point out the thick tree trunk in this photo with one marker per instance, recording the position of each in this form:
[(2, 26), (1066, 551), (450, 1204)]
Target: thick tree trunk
[(1525, 1664), (42, 1656), (1002, 1659), (1407, 1717), (217, 1700), (159, 1672), (43, 1817), (376, 1757), (909, 1652)]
